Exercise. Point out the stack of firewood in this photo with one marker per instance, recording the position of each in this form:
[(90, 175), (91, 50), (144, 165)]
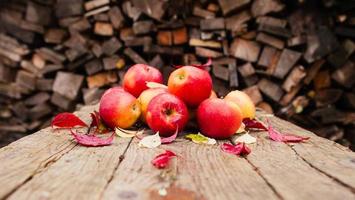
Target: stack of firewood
[(294, 58)]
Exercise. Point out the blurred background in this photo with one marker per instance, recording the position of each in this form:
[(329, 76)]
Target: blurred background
[(294, 58)]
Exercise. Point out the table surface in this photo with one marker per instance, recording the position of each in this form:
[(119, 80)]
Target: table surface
[(49, 165)]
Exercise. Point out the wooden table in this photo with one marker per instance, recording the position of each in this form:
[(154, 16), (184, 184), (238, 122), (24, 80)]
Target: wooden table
[(49, 165)]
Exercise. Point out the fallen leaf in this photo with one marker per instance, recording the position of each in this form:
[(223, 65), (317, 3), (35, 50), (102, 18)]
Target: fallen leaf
[(204, 66), (245, 138), (200, 139), (162, 160), (171, 138), (279, 137), (150, 141), (127, 133), (253, 124), (92, 140), (241, 128), (67, 120), (155, 85), (97, 122), (239, 149)]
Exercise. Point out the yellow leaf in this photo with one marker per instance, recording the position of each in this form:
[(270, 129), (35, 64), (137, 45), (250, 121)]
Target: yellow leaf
[(151, 141)]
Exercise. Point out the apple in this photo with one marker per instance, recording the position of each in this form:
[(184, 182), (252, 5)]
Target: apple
[(146, 96), (116, 88), (191, 84), (119, 108), (166, 113), (244, 102), (218, 118), (134, 81)]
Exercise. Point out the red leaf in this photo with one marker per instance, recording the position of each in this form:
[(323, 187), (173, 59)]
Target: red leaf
[(253, 124), (238, 149), (204, 66), (162, 160), (92, 140), (278, 137), (171, 138), (97, 122), (67, 120)]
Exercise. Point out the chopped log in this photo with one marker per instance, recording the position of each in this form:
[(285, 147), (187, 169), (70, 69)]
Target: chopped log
[(111, 46), (157, 62), (251, 80), (97, 11), (266, 107), (102, 17), (339, 57), (270, 40), (131, 11), (254, 93), (92, 96), (101, 79), (203, 43), (229, 6), (38, 14), (20, 110), (155, 49), (80, 25), (143, 27), (212, 24), (270, 89), (37, 99), (345, 31), (138, 41), (345, 75), (134, 56), (197, 11), (207, 53), (93, 66), (28, 66), (246, 70), (287, 60), (165, 38), (61, 101), (296, 41), (233, 76), (288, 97), (275, 30), (68, 84), (263, 7), (153, 8), (267, 56), (312, 71), (180, 36), (113, 62), (97, 50), (349, 99), (6, 74), (44, 84), (271, 21), (51, 55), (67, 8), (220, 72), (116, 17), (89, 5), (103, 29), (236, 23), (322, 80), (294, 78), (326, 97), (55, 36), (245, 49), (26, 80)]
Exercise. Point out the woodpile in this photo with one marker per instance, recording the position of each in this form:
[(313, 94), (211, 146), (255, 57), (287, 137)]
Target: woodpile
[(294, 58)]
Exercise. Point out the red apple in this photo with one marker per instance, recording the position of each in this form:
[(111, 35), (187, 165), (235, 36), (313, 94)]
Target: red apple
[(117, 88), (243, 101), (146, 96), (119, 108), (166, 113), (191, 84), (218, 118), (134, 81)]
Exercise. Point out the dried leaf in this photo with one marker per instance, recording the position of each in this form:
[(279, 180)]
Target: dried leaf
[(278, 137), (67, 120), (253, 124), (150, 141), (162, 160), (97, 122), (200, 139), (92, 140), (241, 128), (171, 138), (127, 133), (238, 149), (155, 85), (204, 66), (246, 138)]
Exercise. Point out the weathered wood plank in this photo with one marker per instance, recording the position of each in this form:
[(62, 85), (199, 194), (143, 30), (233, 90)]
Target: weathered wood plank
[(203, 172), (22, 159)]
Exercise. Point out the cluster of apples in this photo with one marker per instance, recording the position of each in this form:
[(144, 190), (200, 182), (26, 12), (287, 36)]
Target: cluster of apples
[(167, 109)]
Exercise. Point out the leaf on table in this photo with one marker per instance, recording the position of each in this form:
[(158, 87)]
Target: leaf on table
[(279, 137), (245, 138), (204, 66), (241, 128), (98, 123), (67, 120), (127, 133), (92, 140), (200, 139), (155, 85), (240, 149), (150, 141), (171, 138), (162, 160), (253, 124)]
